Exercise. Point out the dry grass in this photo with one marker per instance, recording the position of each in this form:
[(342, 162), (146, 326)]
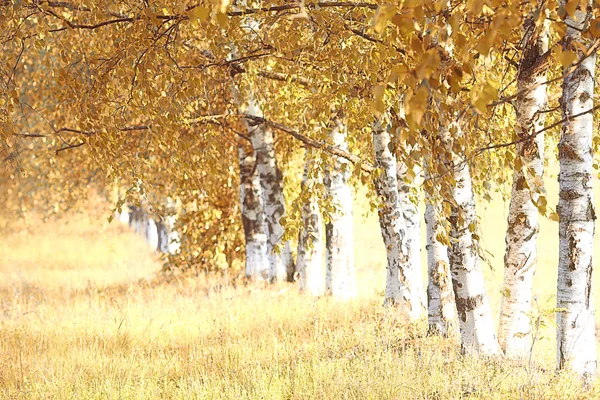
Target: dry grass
[(82, 317)]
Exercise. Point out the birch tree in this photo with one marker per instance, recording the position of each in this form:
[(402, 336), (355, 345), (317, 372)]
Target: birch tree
[(339, 231), (162, 245), (407, 183), (575, 333), (253, 217), (281, 263), (520, 257), (309, 265), (152, 233), (399, 288), (472, 304), (441, 308)]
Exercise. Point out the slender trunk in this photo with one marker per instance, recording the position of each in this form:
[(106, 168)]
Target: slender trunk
[(123, 215), (281, 263), (399, 288), (173, 240), (340, 280), (520, 258), (253, 217), (143, 225), (310, 252), (440, 296), (410, 211), (576, 341), (131, 221), (472, 304), (152, 233), (162, 245), (138, 221)]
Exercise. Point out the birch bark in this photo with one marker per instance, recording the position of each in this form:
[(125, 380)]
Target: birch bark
[(253, 217), (310, 246), (520, 258), (472, 304), (163, 237), (440, 296), (281, 262), (339, 242), (576, 339), (411, 215), (399, 288)]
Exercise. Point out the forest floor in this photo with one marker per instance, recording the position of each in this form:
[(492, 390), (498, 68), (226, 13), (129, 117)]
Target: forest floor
[(83, 317)]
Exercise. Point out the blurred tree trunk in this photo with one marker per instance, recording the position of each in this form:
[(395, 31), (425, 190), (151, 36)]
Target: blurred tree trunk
[(576, 339), (163, 237), (253, 217), (400, 289), (310, 246), (520, 258), (339, 231)]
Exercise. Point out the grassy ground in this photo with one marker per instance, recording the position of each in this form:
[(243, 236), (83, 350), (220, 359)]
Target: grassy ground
[(82, 317)]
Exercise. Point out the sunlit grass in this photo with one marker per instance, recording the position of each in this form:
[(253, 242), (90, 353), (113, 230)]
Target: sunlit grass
[(82, 316)]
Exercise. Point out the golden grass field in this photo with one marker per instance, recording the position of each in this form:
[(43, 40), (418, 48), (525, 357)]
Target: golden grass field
[(82, 317)]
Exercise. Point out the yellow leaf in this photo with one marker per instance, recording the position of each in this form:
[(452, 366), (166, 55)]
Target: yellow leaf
[(199, 13), (384, 13), (475, 6), (151, 15), (223, 20), (560, 28), (406, 25), (480, 99), (378, 106), (487, 41), (428, 64), (415, 105), (566, 57), (571, 7), (595, 27)]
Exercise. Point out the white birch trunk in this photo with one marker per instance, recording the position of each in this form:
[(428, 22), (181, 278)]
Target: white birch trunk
[(520, 258), (399, 288), (310, 247), (281, 263), (174, 242), (576, 340), (162, 245), (441, 308), (472, 304), (253, 217), (143, 224), (339, 233), (152, 233), (123, 215), (138, 220), (412, 221)]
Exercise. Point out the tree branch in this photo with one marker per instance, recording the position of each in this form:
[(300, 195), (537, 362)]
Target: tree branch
[(529, 137), (333, 150), (72, 146), (332, 4), (592, 49)]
